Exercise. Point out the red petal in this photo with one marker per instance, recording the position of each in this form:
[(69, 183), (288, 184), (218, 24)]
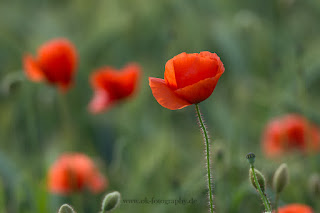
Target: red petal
[(58, 177), (118, 84), (127, 81), (315, 137), (169, 74), (199, 91), (165, 96), (32, 69), (295, 208), (192, 68), (99, 77), (58, 60), (100, 102), (272, 137)]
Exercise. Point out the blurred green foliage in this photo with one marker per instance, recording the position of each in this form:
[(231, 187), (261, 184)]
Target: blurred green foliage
[(270, 50)]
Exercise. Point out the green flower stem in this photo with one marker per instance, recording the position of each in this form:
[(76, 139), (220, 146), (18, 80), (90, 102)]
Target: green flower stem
[(31, 120), (263, 197), (68, 126), (277, 202), (207, 150)]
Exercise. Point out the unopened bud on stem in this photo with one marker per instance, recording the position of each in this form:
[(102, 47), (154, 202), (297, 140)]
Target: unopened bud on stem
[(280, 178), (314, 185), (260, 178), (65, 208), (110, 202)]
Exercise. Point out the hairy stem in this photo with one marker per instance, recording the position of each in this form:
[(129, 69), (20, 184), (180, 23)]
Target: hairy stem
[(207, 150), (263, 197)]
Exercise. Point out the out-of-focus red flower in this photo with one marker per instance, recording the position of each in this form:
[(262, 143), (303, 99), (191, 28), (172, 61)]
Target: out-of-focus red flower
[(295, 208), (111, 85), (288, 133), (56, 63), (188, 79), (75, 172)]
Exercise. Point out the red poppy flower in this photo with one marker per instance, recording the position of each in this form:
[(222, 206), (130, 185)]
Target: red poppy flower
[(295, 208), (112, 85), (75, 172), (188, 79), (290, 132), (56, 63)]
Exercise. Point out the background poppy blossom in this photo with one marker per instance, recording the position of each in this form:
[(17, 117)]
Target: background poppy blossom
[(111, 85), (288, 133), (188, 79), (295, 208), (75, 172), (56, 63)]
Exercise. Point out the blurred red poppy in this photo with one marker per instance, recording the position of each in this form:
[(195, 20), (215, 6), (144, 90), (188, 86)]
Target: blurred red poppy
[(75, 172), (111, 85), (56, 63), (188, 79), (288, 133), (295, 208)]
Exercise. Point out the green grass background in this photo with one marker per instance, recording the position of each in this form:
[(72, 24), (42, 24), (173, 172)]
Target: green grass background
[(271, 53)]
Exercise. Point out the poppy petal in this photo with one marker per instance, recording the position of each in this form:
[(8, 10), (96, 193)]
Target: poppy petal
[(315, 138), (272, 137), (98, 78), (127, 81), (199, 91), (169, 74), (118, 84), (32, 69), (165, 96), (100, 102), (295, 207), (192, 68), (58, 59)]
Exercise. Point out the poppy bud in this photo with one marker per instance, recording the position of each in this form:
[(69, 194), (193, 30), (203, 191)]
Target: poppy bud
[(260, 178), (314, 185), (65, 208), (251, 157), (110, 202), (280, 178)]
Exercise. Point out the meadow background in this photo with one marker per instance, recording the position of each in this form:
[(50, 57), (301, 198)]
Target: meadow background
[(270, 50)]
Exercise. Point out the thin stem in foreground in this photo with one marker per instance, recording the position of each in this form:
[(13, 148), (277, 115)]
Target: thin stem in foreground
[(263, 197), (207, 150), (277, 202)]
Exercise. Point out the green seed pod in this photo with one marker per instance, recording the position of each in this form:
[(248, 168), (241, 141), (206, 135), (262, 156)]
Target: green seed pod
[(260, 178), (65, 208), (314, 185), (280, 178), (110, 202), (251, 157)]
